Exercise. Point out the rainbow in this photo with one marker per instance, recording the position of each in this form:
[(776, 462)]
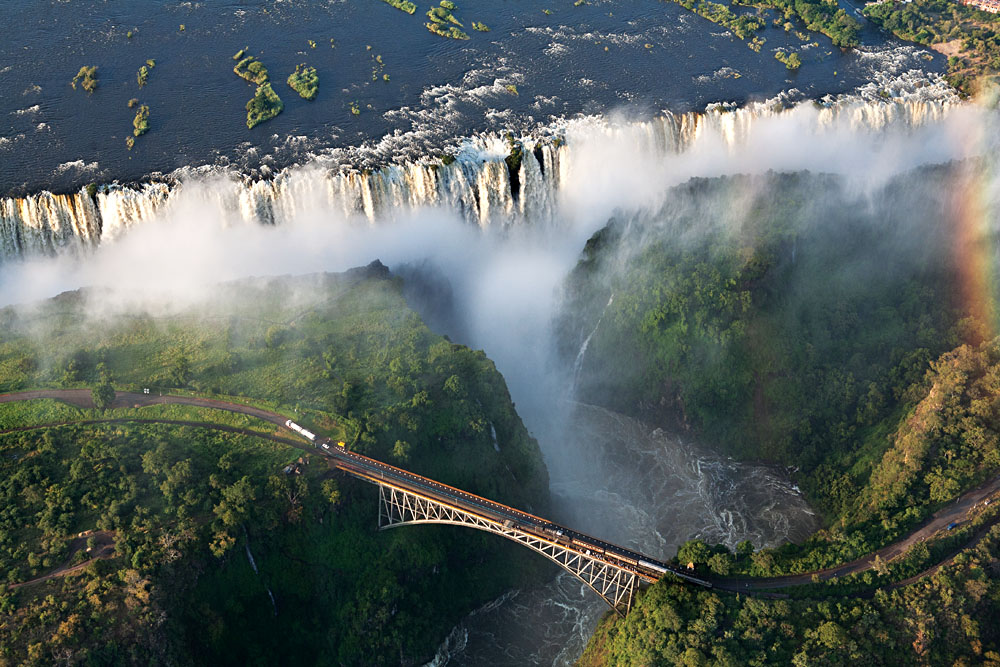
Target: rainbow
[(975, 261)]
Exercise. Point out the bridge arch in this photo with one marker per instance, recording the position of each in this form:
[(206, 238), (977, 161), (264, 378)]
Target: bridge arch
[(615, 585)]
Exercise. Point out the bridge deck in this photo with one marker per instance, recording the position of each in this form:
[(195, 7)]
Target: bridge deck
[(381, 473)]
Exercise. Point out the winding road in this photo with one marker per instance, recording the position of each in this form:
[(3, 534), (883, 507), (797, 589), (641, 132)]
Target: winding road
[(957, 512)]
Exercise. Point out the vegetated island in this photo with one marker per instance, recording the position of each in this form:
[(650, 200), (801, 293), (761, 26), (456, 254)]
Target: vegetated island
[(883, 395), (140, 123), (266, 103), (251, 69), (222, 533), (304, 81), (87, 78), (403, 5), (440, 17), (969, 36), (791, 60), (816, 15), (142, 76)]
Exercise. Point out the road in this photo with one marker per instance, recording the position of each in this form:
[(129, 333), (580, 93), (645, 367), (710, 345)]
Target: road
[(958, 511), (372, 470), (376, 471)]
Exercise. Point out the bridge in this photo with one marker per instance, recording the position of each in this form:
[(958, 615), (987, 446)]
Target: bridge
[(406, 499)]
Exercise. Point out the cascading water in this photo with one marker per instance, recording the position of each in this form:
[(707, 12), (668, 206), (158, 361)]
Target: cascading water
[(477, 185), (578, 363)]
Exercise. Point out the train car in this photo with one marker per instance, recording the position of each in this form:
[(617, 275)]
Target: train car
[(653, 566), (624, 559)]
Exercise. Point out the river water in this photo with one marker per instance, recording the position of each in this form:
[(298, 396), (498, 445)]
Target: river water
[(639, 56), (639, 487)]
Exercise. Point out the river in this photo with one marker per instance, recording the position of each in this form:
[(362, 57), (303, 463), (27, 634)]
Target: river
[(637, 57)]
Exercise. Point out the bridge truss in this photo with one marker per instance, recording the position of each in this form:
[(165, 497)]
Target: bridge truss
[(616, 585)]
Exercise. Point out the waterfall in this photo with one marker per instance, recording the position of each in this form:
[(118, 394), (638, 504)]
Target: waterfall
[(476, 185), (253, 564), (578, 364)]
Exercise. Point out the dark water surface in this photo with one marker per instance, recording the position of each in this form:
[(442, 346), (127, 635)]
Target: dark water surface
[(641, 55)]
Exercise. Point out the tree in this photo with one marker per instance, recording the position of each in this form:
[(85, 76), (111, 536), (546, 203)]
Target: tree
[(401, 451), (331, 491), (103, 395)]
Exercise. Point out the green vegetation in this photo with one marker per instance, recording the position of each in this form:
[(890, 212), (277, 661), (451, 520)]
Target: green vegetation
[(312, 43), (265, 105), (150, 63), (753, 336), (239, 54), (746, 312), (132, 102), (252, 70), (130, 142), (183, 505), (355, 109), (818, 16), (791, 60), (946, 619), (87, 77), (304, 81), (481, 27), (743, 26), (403, 5), (140, 123), (511, 88), (968, 36), (142, 76), (378, 67), (440, 17)]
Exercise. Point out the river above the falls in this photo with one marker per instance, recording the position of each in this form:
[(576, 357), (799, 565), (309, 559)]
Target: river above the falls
[(414, 92)]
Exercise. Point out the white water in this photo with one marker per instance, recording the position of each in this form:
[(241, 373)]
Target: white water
[(583, 158), (578, 363)]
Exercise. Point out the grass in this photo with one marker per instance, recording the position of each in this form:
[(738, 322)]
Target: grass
[(142, 76), (87, 77), (304, 81), (132, 102), (481, 27), (265, 105), (402, 5)]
